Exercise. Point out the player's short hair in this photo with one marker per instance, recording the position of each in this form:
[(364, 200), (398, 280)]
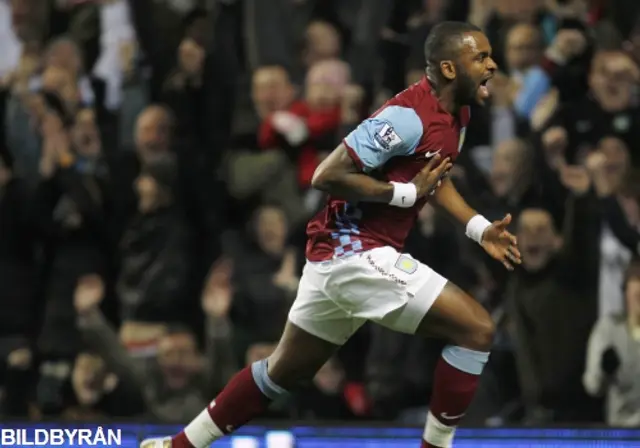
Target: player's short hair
[(445, 39)]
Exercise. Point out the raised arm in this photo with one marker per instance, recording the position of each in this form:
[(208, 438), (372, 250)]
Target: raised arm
[(396, 131)]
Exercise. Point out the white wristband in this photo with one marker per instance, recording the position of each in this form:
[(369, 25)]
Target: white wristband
[(476, 227), (404, 195)]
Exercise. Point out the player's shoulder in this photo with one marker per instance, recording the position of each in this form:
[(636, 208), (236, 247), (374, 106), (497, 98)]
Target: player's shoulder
[(392, 130), (395, 124), (410, 110), (441, 131), (401, 117), (415, 115)]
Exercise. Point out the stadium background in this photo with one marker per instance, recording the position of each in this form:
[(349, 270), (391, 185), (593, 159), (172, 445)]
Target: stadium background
[(155, 165)]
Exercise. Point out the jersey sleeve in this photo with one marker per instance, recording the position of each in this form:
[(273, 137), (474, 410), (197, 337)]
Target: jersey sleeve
[(395, 131)]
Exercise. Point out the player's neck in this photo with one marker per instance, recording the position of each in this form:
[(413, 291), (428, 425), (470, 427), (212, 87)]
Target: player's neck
[(445, 93), (446, 98)]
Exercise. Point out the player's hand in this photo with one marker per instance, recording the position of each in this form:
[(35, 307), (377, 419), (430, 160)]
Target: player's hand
[(430, 177), (498, 242)]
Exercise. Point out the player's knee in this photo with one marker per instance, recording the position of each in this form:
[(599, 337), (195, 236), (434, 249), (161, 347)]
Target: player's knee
[(483, 333), (480, 334)]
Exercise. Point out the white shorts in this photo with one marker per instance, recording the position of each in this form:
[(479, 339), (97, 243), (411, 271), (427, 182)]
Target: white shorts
[(338, 296)]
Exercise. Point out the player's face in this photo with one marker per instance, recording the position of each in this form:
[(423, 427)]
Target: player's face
[(476, 68)]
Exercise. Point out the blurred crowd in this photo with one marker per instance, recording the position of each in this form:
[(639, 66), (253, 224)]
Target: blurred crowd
[(155, 167)]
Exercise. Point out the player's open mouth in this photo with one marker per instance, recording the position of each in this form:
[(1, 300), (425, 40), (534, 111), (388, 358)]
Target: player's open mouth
[(483, 90)]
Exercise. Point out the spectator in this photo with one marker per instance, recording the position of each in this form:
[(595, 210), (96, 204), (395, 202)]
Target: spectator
[(200, 90), (523, 55), (310, 125), (96, 393), (612, 357), (70, 205), (10, 46), (609, 165), (19, 283), (176, 382), (270, 176), (567, 61), (322, 42), (19, 116), (118, 45), (609, 110), (155, 252), (259, 276), (557, 284), (506, 14), (63, 73)]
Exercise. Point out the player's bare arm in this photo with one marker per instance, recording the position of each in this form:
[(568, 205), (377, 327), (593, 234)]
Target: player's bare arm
[(339, 176), (494, 237)]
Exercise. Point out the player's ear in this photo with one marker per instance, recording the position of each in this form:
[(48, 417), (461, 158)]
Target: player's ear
[(448, 70)]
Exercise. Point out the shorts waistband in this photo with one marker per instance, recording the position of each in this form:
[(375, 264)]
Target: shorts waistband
[(335, 259)]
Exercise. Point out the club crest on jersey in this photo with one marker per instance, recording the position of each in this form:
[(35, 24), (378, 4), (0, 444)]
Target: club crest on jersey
[(406, 264), (463, 133), (387, 138)]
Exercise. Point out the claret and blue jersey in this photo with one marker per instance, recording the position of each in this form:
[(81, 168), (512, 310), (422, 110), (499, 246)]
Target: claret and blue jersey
[(393, 144)]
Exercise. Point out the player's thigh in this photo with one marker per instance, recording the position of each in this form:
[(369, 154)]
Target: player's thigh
[(317, 309), (382, 286), (416, 288), (457, 317)]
